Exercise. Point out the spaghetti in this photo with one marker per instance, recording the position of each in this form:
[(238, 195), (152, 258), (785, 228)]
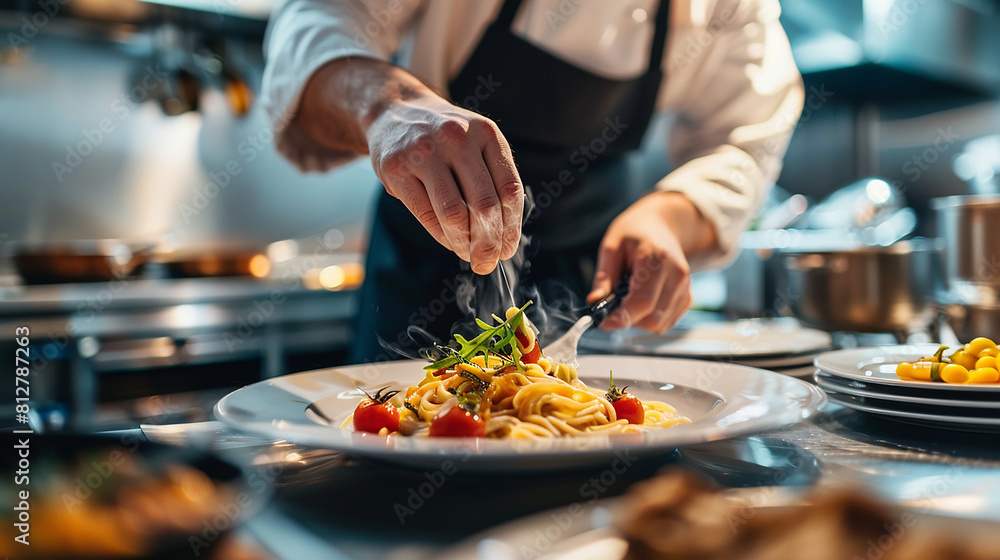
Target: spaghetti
[(498, 385)]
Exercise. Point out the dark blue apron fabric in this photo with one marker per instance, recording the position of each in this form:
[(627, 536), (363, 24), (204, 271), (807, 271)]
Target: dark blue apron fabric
[(570, 131)]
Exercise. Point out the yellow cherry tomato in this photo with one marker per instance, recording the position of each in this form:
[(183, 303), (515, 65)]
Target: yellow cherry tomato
[(954, 373), (994, 351), (984, 375), (986, 362), (977, 345), (964, 359)]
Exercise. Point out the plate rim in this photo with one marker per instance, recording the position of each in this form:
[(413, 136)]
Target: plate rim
[(936, 418), (796, 409), (822, 381), (822, 362)]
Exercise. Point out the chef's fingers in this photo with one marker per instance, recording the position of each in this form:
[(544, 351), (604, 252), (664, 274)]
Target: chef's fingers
[(507, 183), (649, 276), (675, 299), (485, 212), (412, 193), (610, 268), (449, 206)]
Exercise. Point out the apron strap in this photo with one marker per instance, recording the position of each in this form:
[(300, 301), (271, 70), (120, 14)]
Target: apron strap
[(660, 37), (507, 13), (509, 9)]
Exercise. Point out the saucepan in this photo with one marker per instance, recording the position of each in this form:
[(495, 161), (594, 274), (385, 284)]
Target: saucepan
[(862, 289), (970, 229)]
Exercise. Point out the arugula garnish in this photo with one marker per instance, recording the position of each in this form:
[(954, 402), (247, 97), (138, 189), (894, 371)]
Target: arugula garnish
[(498, 341)]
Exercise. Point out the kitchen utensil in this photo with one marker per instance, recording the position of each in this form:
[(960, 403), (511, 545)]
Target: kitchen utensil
[(969, 320), (563, 349), (227, 262), (721, 400), (865, 289), (970, 229), (98, 260)]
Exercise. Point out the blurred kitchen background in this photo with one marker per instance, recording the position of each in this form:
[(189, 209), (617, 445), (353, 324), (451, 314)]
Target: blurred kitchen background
[(162, 252)]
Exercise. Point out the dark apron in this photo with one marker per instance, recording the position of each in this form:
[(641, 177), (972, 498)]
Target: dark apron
[(569, 130)]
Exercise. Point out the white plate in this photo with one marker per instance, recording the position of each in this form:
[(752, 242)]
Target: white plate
[(877, 364), (748, 338), (722, 401), (835, 384), (889, 408)]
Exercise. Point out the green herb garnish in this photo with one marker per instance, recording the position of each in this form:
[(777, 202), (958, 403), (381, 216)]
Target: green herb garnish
[(498, 341)]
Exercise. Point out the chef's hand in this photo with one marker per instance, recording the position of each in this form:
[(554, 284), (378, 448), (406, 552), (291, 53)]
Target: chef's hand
[(652, 239), (452, 168), (454, 171)]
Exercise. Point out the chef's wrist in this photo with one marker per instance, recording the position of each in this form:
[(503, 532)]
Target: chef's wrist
[(344, 97), (695, 233)]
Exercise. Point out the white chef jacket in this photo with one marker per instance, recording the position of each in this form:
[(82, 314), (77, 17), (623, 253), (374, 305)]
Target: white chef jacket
[(729, 77)]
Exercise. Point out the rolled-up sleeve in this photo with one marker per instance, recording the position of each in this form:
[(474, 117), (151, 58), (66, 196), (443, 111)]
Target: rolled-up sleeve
[(304, 35), (741, 98)]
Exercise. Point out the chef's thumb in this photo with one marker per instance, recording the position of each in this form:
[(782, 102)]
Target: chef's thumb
[(609, 271)]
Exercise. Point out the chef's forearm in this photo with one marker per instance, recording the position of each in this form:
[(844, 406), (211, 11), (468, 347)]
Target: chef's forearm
[(344, 97)]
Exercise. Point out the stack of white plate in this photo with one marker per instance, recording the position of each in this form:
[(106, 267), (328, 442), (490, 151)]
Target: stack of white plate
[(865, 379), (782, 344)]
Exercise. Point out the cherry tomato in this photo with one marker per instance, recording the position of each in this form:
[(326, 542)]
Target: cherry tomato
[(521, 337), (533, 355), (458, 422), (630, 408), (376, 412)]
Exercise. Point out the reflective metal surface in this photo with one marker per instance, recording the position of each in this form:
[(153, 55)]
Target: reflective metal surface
[(871, 289), (970, 229)]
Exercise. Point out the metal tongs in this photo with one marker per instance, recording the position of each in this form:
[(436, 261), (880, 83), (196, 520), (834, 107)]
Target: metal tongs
[(563, 349)]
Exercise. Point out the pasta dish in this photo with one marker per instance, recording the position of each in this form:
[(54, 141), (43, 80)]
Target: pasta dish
[(499, 385)]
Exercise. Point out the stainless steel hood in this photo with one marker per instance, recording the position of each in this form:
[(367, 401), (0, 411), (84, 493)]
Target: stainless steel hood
[(950, 42)]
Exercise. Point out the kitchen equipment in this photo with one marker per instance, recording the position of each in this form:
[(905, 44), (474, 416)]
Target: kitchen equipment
[(721, 400), (970, 229), (78, 261), (864, 203), (563, 349), (865, 379), (775, 344), (865, 289), (230, 262), (970, 320)]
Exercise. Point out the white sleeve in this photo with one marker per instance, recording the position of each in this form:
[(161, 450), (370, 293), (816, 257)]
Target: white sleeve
[(741, 100), (302, 36)]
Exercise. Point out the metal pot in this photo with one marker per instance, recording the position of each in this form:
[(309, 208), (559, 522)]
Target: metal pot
[(972, 320), (970, 228), (865, 289)]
